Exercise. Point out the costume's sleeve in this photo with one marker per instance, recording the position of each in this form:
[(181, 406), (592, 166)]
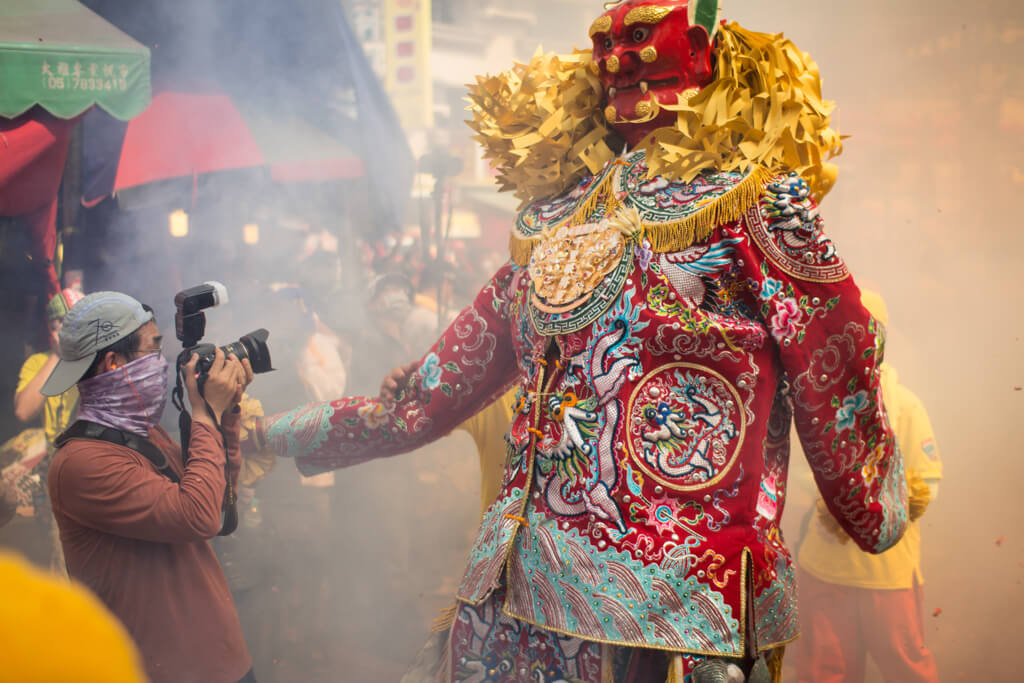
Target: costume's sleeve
[(914, 434), (472, 361), (831, 349), (112, 489)]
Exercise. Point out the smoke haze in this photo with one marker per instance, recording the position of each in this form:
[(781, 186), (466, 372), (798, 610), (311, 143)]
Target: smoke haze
[(342, 582)]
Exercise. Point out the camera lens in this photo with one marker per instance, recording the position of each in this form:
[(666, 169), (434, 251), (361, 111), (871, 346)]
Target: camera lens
[(254, 347)]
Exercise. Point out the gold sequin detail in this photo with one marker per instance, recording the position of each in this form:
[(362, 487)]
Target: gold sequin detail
[(568, 263), (643, 108), (648, 14), (610, 113), (648, 54), (612, 64), (600, 25)]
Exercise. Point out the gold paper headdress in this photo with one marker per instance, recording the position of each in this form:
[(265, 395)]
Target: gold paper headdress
[(542, 124)]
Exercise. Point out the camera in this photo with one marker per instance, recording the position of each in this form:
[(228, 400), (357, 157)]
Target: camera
[(190, 326), (252, 346)]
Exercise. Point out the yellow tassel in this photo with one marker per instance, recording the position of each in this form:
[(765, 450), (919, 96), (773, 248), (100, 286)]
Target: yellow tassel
[(521, 248), (774, 660), (443, 621), (678, 235), (600, 194), (665, 237), (675, 669)]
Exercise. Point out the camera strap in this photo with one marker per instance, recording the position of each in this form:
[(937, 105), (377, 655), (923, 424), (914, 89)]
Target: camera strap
[(229, 508), (83, 429)]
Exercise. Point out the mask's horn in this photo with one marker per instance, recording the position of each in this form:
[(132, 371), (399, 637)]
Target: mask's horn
[(706, 13)]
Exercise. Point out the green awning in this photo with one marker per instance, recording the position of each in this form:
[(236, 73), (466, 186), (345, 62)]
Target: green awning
[(62, 56)]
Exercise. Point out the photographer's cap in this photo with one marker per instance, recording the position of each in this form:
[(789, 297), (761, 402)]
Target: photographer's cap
[(95, 322)]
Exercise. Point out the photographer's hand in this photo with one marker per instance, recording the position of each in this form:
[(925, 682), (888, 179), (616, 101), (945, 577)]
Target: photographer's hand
[(223, 382), (244, 379)]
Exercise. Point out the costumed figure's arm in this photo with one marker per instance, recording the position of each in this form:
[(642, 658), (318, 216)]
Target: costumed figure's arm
[(831, 349), (471, 362)]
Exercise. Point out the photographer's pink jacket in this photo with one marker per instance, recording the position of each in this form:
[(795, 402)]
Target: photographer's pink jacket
[(140, 542)]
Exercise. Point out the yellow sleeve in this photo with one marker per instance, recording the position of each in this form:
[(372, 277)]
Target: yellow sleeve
[(33, 364), (915, 436)]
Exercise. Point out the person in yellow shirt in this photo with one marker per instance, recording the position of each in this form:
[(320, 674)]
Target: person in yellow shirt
[(29, 402), (488, 429), (57, 413), (853, 604)]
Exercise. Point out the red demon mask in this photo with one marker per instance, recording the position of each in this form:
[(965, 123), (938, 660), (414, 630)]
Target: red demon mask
[(648, 51)]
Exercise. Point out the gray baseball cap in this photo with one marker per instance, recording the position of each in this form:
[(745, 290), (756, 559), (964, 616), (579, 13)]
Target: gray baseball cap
[(94, 323)]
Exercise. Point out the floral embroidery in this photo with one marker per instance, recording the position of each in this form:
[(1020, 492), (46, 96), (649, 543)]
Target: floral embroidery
[(644, 254), (769, 288), (847, 412), (430, 371), (792, 312), (786, 319), (374, 414), (870, 469)]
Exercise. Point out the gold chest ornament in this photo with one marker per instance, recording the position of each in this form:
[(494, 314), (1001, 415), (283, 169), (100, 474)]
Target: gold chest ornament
[(569, 262)]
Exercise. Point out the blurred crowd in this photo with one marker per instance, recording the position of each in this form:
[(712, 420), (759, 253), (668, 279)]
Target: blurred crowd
[(325, 571)]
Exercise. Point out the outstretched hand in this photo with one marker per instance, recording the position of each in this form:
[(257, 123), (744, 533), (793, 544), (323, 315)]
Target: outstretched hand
[(396, 381)]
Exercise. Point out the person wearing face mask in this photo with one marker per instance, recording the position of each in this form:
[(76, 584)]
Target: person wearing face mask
[(386, 340), (135, 513)]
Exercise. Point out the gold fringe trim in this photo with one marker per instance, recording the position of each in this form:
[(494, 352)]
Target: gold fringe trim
[(663, 237), (602, 194), (521, 248), (675, 669), (607, 663), (444, 620), (774, 660), (678, 235)]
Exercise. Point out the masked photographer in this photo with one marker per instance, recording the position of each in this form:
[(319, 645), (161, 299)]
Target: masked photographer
[(134, 512)]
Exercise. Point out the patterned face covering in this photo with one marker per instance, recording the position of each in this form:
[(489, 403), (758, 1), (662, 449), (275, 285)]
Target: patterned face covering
[(131, 397)]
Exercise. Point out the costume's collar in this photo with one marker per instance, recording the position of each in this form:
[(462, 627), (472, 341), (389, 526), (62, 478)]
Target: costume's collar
[(664, 216)]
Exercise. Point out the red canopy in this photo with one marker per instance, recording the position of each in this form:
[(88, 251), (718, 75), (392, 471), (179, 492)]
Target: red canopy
[(183, 135), (33, 148)]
